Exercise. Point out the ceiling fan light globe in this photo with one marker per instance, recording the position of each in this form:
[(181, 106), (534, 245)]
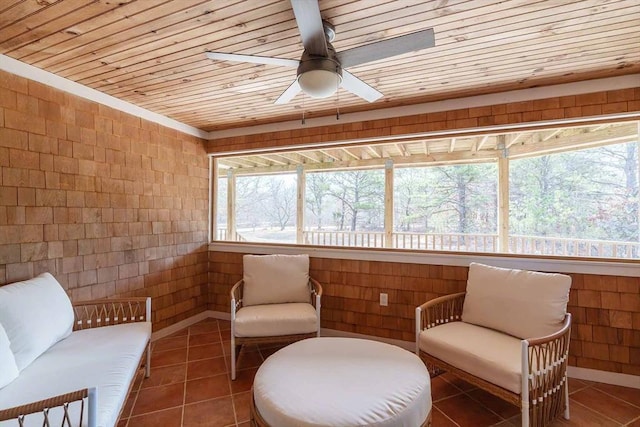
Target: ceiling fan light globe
[(319, 83)]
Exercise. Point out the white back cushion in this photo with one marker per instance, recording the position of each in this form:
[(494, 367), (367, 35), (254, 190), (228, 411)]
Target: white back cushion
[(35, 314), (521, 303), (275, 279), (9, 369)]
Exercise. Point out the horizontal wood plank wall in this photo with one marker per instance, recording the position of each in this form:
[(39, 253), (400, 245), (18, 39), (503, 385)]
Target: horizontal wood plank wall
[(605, 309), (565, 107), (110, 204)]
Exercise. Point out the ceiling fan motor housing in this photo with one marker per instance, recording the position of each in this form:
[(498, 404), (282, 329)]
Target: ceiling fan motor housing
[(320, 76)]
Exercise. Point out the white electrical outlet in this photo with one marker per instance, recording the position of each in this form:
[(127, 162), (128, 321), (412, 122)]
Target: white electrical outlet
[(384, 300)]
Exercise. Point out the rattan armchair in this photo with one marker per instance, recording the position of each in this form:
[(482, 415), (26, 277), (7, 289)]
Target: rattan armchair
[(275, 321), (88, 314), (315, 295), (543, 363)]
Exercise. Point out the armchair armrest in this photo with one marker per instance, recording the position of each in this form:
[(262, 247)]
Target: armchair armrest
[(544, 369), (62, 400), (438, 311), (113, 311), (316, 290), (236, 296)]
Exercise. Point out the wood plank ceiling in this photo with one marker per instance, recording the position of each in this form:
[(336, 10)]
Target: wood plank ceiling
[(151, 53)]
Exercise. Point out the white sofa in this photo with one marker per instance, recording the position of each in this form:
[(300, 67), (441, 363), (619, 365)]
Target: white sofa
[(79, 359), (507, 334)]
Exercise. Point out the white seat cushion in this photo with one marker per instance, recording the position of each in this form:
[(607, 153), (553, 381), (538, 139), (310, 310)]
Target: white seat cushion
[(36, 314), (525, 304), (275, 319), (9, 370), (342, 382), (105, 357), (275, 279), (482, 352)]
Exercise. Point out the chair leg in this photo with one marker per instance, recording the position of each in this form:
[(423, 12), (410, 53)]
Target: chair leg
[(233, 358), (566, 399), (147, 366)]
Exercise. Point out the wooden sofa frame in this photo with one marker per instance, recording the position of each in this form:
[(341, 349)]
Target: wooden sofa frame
[(90, 314), (315, 289), (545, 392)]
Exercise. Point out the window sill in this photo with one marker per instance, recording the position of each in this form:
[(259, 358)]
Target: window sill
[(607, 266)]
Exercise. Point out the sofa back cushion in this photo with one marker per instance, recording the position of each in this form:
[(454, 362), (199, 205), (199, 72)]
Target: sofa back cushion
[(36, 314), (525, 304), (275, 279), (9, 370)]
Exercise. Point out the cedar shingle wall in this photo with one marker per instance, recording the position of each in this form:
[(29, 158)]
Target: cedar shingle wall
[(107, 202), (566, 107), (605, 309)]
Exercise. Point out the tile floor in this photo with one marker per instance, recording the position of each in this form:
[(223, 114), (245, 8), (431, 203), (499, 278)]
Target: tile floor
[(190, 386)]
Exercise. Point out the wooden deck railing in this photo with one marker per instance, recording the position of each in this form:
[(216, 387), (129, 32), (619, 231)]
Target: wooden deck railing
[(460, 242)]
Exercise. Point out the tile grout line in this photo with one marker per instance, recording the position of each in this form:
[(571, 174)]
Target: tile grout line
[(616, 397), (186, 375), (575, 402)]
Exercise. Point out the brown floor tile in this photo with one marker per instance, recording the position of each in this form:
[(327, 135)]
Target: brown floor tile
[(266, 352), (246, 424), (467, 412), (181, 332), (504, 409), (207, 388), (170, 343), (201, 339), (575, 385), (441, 389), (165, 375), (582, 416), (461, 384), (204, 328), (207, 351), (249, 359), (166, 418), (157, 398), (635, 423), (128, 405), (224, 325), (631, 395), (209, 413), (438, 419), (604, 403), (244, 380), (169, 357), (206, 368), (122, 422), (242, 404)]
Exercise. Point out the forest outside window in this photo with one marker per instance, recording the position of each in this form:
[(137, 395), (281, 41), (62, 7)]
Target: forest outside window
[(570, 192)]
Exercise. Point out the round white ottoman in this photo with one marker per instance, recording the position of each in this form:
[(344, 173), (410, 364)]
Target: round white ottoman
[(341, 382)]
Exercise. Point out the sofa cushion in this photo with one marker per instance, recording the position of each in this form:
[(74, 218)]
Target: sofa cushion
[(36, 314), (106, 358), (275, 279), (525, 304), (275, 319), (484, 353), (9, 371)]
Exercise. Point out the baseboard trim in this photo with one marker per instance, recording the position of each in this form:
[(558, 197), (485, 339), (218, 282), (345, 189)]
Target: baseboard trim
[(165, 332), (606, 377), (614, 378)]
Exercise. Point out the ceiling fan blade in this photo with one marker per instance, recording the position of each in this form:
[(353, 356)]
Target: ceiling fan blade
[(289, 94), (387, 48), (358, 87), (309, 21), (267, 60)]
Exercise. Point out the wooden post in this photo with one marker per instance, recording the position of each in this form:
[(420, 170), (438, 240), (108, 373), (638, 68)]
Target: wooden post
[(213, 199), (388, 204), (231, 206), (503, 196), (302, 184)]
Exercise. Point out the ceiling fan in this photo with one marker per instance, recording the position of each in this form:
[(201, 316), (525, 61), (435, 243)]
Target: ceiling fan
[(321, 69)]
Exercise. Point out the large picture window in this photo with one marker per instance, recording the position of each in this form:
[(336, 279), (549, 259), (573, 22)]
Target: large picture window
[(570, 191)]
